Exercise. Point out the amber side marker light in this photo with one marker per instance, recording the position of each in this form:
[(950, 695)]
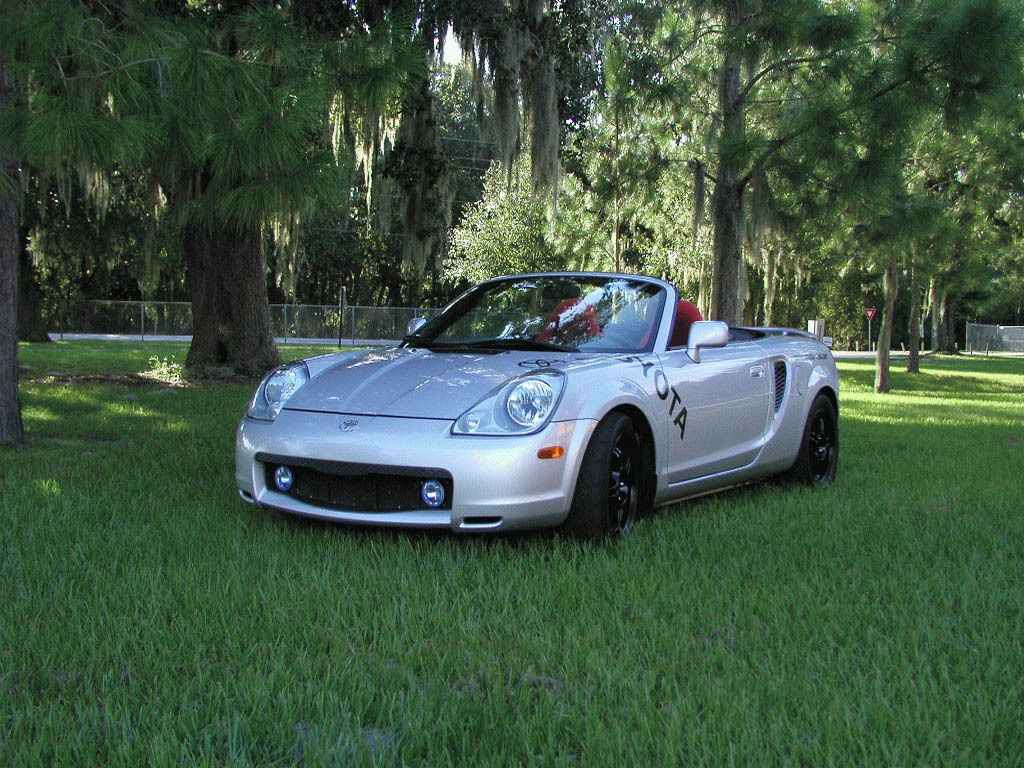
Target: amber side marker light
[(551, 452)]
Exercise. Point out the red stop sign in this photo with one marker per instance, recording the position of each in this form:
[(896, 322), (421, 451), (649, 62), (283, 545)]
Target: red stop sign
[(870, 312)]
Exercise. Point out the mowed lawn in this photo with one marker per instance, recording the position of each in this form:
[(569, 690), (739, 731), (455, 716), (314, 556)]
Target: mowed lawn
[(148, 616)]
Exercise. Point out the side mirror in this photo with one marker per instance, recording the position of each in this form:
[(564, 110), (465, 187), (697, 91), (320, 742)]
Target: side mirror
[(706, 333), (414, 325)]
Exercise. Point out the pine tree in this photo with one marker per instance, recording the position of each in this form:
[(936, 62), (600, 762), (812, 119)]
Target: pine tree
[(57, 117), (11, 430)]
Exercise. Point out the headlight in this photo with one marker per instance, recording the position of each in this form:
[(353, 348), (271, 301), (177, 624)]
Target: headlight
[(521, 406), (275, 390), (529, 403)]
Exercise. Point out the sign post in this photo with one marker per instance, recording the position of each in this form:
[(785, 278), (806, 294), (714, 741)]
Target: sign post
[(870, 312)]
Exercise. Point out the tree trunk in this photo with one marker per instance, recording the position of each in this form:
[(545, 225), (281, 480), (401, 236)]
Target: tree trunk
[(725, 290), (727, 201), (704, 287), (948, 335), (230, 312), (31, 324), (934, 311), (743, 293), (426, 193), (940, 323), (885, 327), (769, 285), (913, 361), (616, 220), (616, 240), (11, 430)]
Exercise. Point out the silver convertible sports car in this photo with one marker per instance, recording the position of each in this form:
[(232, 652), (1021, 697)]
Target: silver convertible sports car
[(565, 399)]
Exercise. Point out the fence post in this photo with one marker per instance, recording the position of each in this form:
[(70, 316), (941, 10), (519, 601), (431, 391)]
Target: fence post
[(353, 328), (342, 301), (285, 329), (142, 321)]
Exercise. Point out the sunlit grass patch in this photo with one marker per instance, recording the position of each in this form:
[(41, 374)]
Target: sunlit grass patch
[(150, 617), (83, 358)]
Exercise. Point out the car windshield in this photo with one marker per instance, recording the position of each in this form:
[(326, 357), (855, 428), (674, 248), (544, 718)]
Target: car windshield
[(558, 313)]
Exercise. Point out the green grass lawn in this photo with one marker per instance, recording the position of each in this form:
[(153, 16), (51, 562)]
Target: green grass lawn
[(147, 615)]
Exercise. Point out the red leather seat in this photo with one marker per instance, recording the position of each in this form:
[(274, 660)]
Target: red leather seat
[(686, 315), (578, 325)]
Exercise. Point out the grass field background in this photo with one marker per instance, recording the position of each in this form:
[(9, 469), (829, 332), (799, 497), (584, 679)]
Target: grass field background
[(148, 616)]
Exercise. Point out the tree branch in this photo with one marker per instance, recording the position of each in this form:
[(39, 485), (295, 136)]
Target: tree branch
[(104, 73), (786, 63), (709, 30), (777, 144), (710, 177)]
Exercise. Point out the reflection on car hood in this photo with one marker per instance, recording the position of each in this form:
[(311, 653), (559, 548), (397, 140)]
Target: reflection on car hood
[(414, 382)]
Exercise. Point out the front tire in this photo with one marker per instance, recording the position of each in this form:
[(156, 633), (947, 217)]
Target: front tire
[(818, 459), (612, 487)]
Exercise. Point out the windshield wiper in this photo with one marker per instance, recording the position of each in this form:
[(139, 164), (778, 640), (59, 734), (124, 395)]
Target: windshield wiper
[(422, 342), (415, 340), (528, 345), (484, 345)]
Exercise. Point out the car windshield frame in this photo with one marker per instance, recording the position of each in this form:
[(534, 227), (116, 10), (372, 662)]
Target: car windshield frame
[(583, 313)]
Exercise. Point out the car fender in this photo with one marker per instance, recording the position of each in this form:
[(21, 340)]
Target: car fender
[(595, 395), (820, 378)]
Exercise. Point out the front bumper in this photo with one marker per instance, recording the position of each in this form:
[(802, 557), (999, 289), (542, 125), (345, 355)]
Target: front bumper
[(498, 483)]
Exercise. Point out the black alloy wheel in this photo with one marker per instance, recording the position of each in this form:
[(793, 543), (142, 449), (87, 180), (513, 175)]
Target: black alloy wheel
[(615, 485), (818, 460), (821, 446), (623, 483)]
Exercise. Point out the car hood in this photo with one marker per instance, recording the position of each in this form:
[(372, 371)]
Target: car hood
[(412, 382)]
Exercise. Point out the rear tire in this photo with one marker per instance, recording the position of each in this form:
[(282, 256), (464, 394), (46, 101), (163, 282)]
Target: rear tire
[(818, 460), (613, 487)]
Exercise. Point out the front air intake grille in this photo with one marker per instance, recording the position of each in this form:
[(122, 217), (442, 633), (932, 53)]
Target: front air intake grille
[(352, 487), (780, 383)]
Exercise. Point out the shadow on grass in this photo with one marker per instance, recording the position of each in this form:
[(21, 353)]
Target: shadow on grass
[(548, 539), (76, 415), (426, 536)]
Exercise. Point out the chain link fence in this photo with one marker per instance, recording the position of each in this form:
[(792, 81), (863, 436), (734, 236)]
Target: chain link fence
[(290, 322), (994, 338)]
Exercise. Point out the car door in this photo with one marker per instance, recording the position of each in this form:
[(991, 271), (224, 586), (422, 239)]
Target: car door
[(721, 416)]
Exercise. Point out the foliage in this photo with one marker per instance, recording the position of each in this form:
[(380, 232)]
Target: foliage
[(505, 233), (122, 252), (869, 131), (228, 112), (166, 370)]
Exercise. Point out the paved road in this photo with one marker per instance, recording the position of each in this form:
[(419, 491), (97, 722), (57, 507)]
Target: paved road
[(894, 355)]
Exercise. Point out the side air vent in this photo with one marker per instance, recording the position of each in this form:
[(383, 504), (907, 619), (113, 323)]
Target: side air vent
[(780, 383)]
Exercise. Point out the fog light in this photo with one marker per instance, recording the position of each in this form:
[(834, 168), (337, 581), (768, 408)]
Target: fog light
[(283, 479), (432, 494)]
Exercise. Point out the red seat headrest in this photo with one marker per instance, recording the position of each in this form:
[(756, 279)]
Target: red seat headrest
[(579, 324), (686, 315)]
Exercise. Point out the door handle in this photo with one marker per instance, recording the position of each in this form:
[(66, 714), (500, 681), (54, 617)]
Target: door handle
[(757, 371)]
